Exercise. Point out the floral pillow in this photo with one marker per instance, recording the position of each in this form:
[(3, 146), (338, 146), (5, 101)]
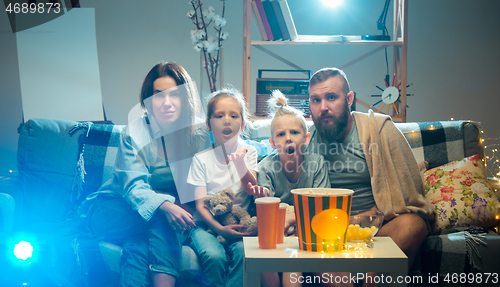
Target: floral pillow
[(461, 195)]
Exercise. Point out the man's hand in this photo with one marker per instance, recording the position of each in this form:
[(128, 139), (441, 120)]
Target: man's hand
[(179, 219), (258, 190), (231, 232)]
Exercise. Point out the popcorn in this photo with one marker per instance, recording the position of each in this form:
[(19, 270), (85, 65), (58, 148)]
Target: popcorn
[(355, 232)]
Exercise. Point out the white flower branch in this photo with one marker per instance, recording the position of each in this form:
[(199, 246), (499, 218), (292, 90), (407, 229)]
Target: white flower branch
[(208, 45)]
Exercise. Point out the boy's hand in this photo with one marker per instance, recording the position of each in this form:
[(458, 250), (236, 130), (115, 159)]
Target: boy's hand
[(231, 232), (237, 156), (258, 191), (289, 221)]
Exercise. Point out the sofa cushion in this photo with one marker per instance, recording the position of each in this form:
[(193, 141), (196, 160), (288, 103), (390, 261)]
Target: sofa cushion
[(189, 270), (47, 156), (461, 195)]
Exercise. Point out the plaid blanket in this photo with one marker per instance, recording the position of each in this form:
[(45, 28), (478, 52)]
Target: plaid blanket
[(98, 146), (456, 250), (442, 142), (437, 143)]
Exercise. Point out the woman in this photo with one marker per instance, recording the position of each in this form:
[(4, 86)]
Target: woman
[(139, 207)]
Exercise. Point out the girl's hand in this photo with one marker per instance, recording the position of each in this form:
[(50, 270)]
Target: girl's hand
[(231, 232), (258, 190), (237, 156), (179, 219)]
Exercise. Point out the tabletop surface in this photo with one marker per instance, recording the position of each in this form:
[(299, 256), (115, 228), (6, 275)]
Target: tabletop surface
[(385, 256), (384, 247), (288, 257)]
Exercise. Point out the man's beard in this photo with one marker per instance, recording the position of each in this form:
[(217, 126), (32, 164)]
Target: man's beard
[(330, 131)]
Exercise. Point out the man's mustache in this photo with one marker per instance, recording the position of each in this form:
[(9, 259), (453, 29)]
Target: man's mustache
[(327, 114)]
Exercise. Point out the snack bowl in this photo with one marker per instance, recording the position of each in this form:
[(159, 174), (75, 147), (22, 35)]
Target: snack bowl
[(364, 224)]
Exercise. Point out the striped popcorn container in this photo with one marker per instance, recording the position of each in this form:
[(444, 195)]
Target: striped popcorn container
[(322, 216)]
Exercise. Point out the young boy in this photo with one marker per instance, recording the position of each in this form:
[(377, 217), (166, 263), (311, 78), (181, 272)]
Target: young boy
[(288, 167)]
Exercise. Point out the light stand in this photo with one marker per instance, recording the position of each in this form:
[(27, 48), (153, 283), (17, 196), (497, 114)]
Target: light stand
[(380, 26)]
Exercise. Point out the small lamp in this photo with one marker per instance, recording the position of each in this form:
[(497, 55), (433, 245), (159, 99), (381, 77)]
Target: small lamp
[(381, 26)]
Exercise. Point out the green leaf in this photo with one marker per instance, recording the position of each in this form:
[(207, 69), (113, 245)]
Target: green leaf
[(468, 201)]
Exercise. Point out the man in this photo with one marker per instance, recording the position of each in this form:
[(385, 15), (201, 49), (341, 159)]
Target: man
[(368, 154)]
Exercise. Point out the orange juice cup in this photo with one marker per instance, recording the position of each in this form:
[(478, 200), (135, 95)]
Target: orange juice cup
[(322, 216), (267, 221), (280, 232)]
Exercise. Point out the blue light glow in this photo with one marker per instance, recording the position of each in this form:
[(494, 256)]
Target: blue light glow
[(23, 250)]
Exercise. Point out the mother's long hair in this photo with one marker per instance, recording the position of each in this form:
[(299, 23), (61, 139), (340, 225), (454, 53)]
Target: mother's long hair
[(191, 105)]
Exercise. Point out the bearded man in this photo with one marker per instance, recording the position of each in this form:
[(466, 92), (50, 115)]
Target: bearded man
[(368, 154)]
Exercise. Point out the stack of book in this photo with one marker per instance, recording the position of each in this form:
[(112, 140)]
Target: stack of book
[(274, 21)]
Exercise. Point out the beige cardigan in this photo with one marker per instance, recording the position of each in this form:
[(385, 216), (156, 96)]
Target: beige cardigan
[(395, 177)]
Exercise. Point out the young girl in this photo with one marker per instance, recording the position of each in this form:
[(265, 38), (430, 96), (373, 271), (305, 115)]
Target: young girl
[(288, 167), (228, 163)]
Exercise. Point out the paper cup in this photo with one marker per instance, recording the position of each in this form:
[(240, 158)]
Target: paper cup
[(322, 216), (280, 232), (267, 221)]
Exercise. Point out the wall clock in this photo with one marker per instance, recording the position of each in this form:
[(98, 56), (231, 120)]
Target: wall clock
[(390, 96)]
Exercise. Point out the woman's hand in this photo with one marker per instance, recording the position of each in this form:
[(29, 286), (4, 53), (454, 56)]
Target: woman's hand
[(231, 232), (179, 219), (258, 190)]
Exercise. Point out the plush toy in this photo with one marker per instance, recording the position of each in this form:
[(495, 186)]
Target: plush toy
[(221, 206)]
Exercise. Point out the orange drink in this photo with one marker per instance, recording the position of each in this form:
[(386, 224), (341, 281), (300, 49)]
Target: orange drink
[(267, 221), (280, 233)]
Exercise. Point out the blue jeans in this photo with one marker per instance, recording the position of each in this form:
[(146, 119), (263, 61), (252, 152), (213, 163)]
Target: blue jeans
[(147, 246), (218, 260)]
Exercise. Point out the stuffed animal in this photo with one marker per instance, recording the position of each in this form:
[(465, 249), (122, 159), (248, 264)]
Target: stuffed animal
[(221, 206)]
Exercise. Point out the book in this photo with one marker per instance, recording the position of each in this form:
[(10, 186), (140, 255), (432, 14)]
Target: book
[(258, 21), (280, 19), (263, 17), (288, 19), (271, 18)]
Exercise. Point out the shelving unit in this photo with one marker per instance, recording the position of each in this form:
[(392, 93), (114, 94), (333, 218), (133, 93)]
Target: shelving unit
[(399, 45)]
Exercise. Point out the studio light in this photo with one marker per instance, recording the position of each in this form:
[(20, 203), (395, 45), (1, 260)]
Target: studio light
[(23, 250), (332, 3)]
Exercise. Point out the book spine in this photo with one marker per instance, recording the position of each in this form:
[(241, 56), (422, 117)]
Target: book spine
[(288, 19), (281, 21), (263, 17), (271, 18), (258, 21)]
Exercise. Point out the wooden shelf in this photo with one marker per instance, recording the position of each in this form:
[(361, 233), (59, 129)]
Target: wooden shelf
[(357, 42), (400, 29)]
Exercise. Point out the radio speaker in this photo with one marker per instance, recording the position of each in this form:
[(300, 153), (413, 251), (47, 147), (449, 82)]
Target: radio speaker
[(295, 89)]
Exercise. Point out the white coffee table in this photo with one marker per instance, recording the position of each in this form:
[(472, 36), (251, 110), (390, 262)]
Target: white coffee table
[(385, 256)]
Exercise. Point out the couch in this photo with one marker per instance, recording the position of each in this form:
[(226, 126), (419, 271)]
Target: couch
[(60, 162)]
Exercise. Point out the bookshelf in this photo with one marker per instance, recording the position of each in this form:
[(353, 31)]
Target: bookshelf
[(399, 44)]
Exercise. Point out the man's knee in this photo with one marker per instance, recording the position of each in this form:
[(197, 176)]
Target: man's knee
[(414, 225), (409, 224)]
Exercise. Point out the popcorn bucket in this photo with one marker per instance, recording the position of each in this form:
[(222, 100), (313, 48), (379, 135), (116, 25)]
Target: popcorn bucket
[(322, 216)]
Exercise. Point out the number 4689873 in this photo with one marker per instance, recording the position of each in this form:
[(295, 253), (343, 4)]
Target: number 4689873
[(33, 8)]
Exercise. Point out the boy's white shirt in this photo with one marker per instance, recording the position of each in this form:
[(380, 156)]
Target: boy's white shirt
[(206, 171)]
